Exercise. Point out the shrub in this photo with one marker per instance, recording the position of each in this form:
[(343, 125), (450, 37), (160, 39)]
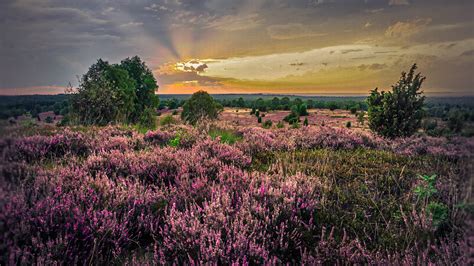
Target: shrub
[(148, 119), (200, 106), (397, 113), (226, 136), (305, 122), (348, 124), (293, 117), (361, 117), (259, 120), (167, 120), (429, 124), (455, 120), (267, 124), (280, 124), (353, 110)]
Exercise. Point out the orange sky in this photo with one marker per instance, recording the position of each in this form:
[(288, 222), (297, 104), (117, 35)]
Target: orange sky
[(241, 46)]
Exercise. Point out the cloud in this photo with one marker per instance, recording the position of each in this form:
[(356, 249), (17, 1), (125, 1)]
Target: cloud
[(375, 66), (468, 53), (236, 22), (404, 29), (291, 31), (398, 2)]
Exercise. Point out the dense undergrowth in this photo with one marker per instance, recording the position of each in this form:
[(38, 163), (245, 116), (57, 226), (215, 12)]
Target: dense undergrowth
[(311, 196)]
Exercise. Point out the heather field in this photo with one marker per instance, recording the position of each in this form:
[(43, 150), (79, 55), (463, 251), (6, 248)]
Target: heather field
[(234, 194)]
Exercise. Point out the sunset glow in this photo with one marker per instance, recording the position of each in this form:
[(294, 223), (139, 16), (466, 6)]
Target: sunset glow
[(247, 46)]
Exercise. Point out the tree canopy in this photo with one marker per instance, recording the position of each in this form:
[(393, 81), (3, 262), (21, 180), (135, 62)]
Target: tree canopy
[(115, 93), (398, 113), (201, 105)]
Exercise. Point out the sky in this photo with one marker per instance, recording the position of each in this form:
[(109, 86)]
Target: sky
[(241, 46)]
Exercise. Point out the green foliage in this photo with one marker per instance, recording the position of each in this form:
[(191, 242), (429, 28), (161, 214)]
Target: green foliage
[(353, 110), (455, 120), (295, 125), (145, 86), (348, 124), (361, 117), (259, 120), (49, 120), (148, 118), (252, 112), (267, 124), (174, 142), (111, 94), (167, 120), (257, 113), (294, 116), (305, 122), (427, 189), (175, 112), (438, 212), (200, 106), (280, 124), (226, 136), (398, 113), (332, 106), (429, 124)]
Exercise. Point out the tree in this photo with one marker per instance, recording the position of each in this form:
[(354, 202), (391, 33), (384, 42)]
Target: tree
[(398, 113), (305, 122), (105, 95), (294, 116), (145, 86), (115, 93), (200, 106)]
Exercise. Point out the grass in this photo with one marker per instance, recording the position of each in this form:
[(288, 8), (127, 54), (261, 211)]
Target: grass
[(226, 136), (367, 193)]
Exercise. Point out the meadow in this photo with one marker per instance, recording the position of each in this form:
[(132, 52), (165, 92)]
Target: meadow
[(226, 193)]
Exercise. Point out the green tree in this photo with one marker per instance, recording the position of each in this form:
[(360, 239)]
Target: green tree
[(305, 122), (105, 95), (294, 116), (117, 93), (200, 106), (145, 86), (398, 113)]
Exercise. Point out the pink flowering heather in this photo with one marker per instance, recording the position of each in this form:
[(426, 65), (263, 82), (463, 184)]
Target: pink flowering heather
[(288, 196)]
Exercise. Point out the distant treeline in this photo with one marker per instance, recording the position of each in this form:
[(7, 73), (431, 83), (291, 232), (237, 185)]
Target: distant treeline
[(277, 103), (13, 106)]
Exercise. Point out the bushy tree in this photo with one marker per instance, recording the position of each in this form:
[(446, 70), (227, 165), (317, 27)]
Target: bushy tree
[(145, 86), (200, 106), (115, 93), (397, 113), (105, 95), (294, 116)]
